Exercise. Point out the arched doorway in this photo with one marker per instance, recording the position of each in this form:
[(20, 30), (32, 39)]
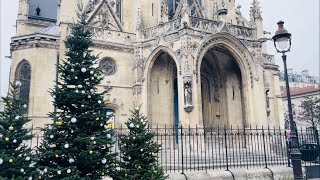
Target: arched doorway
[(163, 93), (221, 89)]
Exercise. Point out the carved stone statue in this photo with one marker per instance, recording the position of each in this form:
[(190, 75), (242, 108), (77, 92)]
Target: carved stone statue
[(188, 94), (268, 103)]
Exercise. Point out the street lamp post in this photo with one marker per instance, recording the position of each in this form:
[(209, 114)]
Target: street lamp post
[(282, 43)]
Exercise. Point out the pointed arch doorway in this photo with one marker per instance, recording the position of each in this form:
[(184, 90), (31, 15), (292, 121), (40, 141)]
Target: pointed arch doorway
[(221, 89), (163, 106)]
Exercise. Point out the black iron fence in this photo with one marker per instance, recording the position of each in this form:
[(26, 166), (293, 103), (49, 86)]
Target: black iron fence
[(191, 149)]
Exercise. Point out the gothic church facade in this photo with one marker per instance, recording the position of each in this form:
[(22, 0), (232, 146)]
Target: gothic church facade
[(188, 62)]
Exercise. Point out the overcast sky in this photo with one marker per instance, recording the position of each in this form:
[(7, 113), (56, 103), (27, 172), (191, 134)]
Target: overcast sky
[(301, 19)]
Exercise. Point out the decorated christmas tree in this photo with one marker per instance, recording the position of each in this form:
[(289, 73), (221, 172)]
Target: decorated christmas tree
[(77, 145), (16, 158), (139, 151)]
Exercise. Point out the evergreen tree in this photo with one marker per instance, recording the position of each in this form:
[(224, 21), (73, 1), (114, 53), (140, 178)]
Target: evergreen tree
[(77, 145), (139, 151), (310, 113), (16, 158)]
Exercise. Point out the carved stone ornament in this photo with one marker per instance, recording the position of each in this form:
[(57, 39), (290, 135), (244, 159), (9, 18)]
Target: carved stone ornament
[(268, 109), (240, 49), (139, 60), (187, 86), (101, 14), (137, 89), (164, 11), (139, 21), (267, 90)]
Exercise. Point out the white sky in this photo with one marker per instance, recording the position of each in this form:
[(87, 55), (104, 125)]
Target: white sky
[(301, 19)]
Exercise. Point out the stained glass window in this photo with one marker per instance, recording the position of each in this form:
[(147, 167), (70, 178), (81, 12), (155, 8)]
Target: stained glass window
[(23, 75), (108, 66)]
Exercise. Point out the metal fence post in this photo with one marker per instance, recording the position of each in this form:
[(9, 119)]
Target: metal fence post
[(182, 161), (264, 148), (226, 146)]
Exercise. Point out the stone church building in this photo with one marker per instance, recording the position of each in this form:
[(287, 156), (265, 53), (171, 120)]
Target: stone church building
[(188, 62)]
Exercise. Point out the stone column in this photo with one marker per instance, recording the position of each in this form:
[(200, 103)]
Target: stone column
[(22, 16), (139, 60)]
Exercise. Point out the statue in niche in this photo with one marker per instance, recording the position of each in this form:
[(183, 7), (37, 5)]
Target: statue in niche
[(188, 93), (268, 102)]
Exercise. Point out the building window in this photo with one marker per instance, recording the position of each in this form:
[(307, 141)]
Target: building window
[(108, 66), (23, 75)]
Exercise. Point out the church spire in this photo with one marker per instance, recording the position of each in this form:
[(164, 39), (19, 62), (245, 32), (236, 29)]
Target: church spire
[(255, 12)]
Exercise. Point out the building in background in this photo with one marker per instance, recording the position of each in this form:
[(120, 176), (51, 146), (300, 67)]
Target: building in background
[(297, 96), (188, 62), (297, 81)]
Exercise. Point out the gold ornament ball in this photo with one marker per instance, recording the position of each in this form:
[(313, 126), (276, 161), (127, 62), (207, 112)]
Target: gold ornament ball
[(6, 139), (72, 70), (11, 128), (82, 105), (90, 152), (5, 104), (137, 126), (10, 160), (59, 123), (57, 155), (101, 124)]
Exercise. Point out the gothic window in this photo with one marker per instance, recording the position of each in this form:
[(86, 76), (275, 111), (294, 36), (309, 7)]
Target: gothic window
[(23, 75), (108, 66)]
